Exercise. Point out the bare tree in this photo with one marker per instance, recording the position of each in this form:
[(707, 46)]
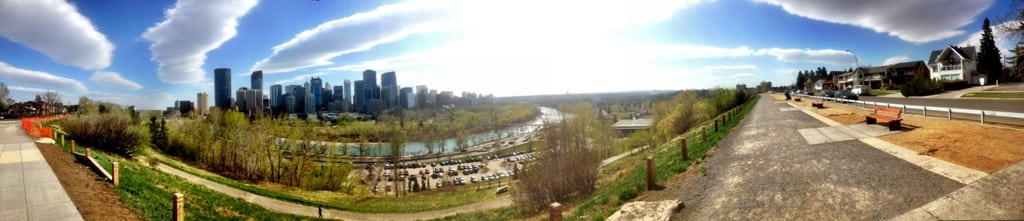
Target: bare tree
[(5, 99)]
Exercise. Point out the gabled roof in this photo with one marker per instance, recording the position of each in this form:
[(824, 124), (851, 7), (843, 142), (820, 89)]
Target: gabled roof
[(909, 64), (968, 53)]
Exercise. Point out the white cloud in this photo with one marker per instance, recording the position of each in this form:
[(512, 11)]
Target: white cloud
[(741, 75), (189, 30), (915, 21), (28, 90), (55, 28), (153, 100), (827, 56), (114, 80), (1004, 39), (787, 71), (38, 78), (896, 59), (731, 68), (533, 22)]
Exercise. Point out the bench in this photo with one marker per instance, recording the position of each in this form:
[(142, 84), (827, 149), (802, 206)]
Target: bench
[(891, 115), (796, 99), (819, 103)]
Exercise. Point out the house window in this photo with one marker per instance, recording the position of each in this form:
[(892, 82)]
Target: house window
[(950, 77)]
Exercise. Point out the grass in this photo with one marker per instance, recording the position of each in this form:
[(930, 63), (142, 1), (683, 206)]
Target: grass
[(442, 199), (149, 192), (882, 92), (607, 197), (995, 94)]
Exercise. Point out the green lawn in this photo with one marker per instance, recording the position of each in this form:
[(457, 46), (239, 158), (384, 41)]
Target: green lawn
[(447, 197), (149, 192), (882, 92), (995, 94)]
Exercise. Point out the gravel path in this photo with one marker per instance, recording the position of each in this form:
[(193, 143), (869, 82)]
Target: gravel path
[(766, 170)]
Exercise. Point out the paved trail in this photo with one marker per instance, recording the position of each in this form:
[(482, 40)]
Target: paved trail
[(29, 190), (766, 169)]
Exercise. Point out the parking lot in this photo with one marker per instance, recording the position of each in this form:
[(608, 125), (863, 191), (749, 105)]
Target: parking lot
[(484, 170)]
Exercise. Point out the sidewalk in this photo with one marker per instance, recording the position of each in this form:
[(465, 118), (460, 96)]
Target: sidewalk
[(29, 190)]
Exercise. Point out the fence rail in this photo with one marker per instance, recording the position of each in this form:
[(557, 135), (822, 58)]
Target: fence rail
[(926, 110)]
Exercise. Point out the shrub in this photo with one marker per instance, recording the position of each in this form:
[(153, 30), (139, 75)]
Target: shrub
[(110, 132), (921, 87)]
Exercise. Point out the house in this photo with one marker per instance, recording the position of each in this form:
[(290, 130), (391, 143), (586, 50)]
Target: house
[(955, 63), (900, 73), (881, 76)]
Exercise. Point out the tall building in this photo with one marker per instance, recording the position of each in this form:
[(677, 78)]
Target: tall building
[(317, 90), (421, 96), (184, 107), (389, 89), (359, 104), (222, 88), (257, 80), (253, 101), (275, 96), (406, 98), (348, 91), (202, 100), (371, 90), (310, 101), (240, 98), (290, 104)]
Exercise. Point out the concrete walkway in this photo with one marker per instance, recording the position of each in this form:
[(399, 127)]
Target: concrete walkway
[(999, 196), (29, 190), (768, 168)]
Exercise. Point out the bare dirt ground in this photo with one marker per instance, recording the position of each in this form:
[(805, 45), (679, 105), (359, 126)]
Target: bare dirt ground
[(986, 148), (94, 197)]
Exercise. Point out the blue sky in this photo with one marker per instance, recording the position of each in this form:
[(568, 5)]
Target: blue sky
[(150, 53)]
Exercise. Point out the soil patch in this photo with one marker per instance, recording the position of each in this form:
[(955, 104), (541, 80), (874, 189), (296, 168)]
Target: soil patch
[(94, 197), (982, 147)]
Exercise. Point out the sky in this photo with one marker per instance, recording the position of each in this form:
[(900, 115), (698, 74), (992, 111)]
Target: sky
[(151, 53)]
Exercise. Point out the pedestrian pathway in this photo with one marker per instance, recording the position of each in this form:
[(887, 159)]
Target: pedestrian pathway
[(999, 196), (29, 190)]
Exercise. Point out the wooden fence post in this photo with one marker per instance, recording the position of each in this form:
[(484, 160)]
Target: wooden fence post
[(117, 174), (682, 145), (72, 146), (88, 152), (650, 173), (704, 133), (555, 212), (178, 207)]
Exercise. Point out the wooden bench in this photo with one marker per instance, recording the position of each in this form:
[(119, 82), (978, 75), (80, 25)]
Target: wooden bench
[(819, 103), (891, 115)]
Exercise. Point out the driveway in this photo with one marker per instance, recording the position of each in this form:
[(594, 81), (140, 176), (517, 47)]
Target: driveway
[(766, 169)]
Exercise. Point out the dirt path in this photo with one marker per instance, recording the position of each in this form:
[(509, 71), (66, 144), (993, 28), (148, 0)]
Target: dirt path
[(298, 209), (94, 197)]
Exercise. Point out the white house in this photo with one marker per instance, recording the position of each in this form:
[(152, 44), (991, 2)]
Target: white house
[(955, 63)]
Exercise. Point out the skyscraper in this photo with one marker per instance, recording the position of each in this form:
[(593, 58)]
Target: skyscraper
[(317, 89), (389, 89), (359, 97), (348, 96), (257, 80), (275, 96), (240, 98), (406, 98), (370, 88), (202, 100), (222, 88)]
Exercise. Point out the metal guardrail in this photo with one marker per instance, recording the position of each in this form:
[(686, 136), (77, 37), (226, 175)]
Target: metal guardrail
[(925, 110)]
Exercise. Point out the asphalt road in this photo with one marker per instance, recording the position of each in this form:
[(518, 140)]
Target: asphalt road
[(766, 170)]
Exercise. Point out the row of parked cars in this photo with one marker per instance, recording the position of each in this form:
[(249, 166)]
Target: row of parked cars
[(849, 95)]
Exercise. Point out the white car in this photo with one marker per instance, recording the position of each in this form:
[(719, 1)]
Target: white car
[(860, 89)]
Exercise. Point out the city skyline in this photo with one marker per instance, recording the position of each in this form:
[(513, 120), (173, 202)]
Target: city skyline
[(139, 53)]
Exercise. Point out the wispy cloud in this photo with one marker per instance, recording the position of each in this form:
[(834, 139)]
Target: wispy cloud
[(896, 59), (915, 21), (55, 28), (189, 30), (536, 22), (731, 68), (39, 79), (826, 56), (741, 75), (113, 80)]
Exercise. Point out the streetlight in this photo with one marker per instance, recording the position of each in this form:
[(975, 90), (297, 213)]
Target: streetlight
[(856, 78)]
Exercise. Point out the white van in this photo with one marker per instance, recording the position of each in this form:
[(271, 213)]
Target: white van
[(860, 89)]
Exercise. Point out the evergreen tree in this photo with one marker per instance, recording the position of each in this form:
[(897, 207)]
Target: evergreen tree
[(989, 59)]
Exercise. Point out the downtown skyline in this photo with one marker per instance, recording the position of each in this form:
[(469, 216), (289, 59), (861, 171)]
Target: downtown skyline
[(151, 53)]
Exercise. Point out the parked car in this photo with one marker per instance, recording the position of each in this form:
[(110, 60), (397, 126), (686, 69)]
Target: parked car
[(828, 93), (860, 89), (849, 95)]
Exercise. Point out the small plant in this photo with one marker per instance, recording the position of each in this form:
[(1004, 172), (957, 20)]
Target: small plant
[(703, 171)]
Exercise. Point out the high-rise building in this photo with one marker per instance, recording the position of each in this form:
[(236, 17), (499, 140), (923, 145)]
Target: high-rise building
[(389, 89), (257, 80), (240, 98), (222, 88), (203, 101), (310, 102), (184, 107), (359, 98), (421, 96), (317, 90), (348, 91), (370, 88), (289, 101), (275, 96), (253, 101), (406, 98), (328, 96)]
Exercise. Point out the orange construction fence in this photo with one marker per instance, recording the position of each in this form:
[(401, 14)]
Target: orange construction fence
[(34, 126)]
